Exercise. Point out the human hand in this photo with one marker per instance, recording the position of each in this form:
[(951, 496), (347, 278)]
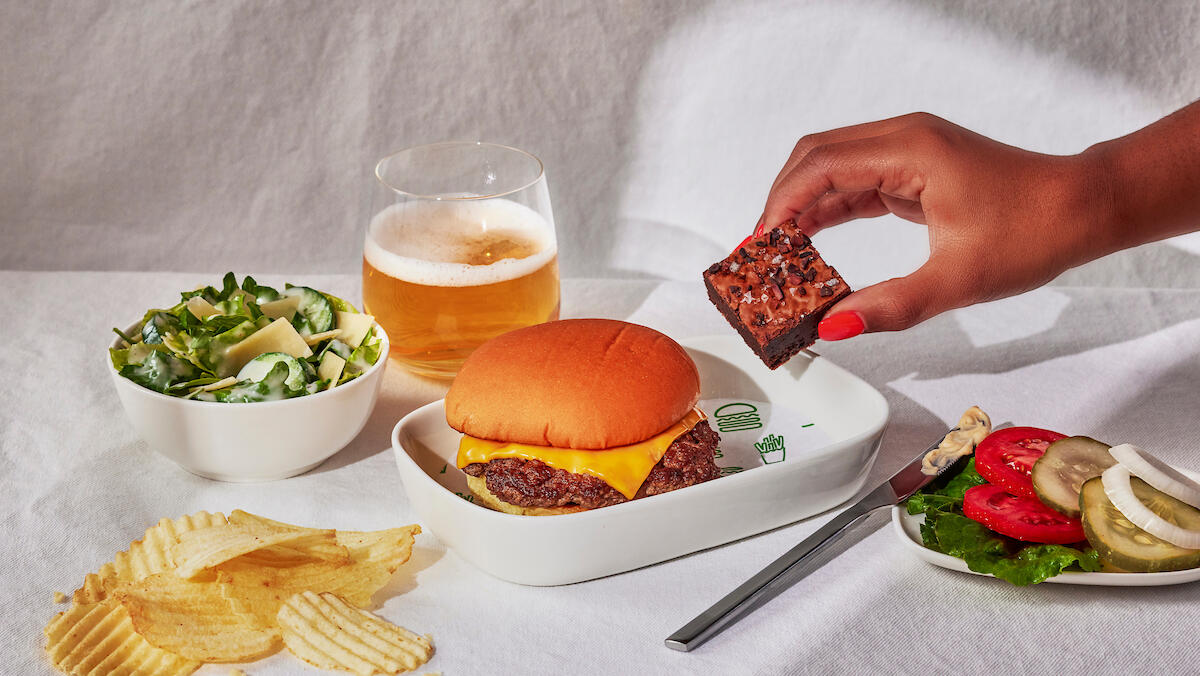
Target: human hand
[(1001, 220)]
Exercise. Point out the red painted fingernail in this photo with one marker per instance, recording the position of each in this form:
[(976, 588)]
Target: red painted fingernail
[(744, 242), (762, 224), (841, 326)]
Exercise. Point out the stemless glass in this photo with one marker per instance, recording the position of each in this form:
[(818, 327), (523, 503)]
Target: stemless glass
[(460, 248)]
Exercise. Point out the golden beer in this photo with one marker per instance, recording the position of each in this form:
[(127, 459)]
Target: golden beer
[(443, 277)]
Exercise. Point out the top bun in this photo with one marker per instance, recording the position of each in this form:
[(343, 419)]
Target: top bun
[(575, 383)]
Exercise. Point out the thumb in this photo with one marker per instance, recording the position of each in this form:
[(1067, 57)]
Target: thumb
[(894, 305)]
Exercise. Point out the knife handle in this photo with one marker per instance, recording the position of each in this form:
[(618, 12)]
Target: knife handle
[(780, 574)]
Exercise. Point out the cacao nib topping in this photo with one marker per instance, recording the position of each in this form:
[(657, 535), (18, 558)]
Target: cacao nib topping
[(779, 293), (770, 280)]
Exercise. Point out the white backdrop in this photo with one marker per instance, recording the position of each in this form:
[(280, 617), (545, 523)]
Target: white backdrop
[(241, 135)]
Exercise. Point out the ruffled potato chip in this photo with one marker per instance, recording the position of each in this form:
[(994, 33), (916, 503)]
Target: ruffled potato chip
[(145, 557), (196, 619), (330, 634), (374, 556), (205, 548), (99, 639), (204, 588)]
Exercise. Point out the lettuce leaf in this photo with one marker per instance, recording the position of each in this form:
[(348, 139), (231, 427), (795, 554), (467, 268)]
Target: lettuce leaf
[(339, 304), (262, 294), (158, 323), (948, 496), (947, 530), (160, 371), (1017, 562)]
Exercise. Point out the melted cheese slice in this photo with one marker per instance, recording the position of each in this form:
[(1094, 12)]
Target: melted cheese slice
[(624, 468)]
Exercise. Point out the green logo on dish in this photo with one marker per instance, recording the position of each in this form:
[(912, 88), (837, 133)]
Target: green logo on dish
[(771, 449), (737, 417)]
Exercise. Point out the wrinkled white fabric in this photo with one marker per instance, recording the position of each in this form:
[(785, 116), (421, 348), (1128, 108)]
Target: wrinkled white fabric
[(1116, 364)]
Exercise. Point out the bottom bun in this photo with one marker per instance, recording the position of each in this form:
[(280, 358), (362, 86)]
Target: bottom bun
[(478, 486)]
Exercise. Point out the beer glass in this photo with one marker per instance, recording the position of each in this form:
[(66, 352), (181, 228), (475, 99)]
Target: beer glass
[(460, 248)]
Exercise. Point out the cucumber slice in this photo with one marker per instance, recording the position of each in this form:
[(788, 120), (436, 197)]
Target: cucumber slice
[(1060, 472), (1122, 544), (315, 314), (256, 369)]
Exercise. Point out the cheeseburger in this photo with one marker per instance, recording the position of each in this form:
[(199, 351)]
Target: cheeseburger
[(578, 414)]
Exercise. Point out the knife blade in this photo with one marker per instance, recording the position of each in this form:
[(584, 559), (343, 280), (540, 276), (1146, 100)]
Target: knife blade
[(802, 559)]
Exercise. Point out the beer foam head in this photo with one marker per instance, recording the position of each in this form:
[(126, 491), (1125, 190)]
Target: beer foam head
[(451, 243)]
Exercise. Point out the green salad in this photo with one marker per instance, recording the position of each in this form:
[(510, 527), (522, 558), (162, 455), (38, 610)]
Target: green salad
[(247, 343), (949, 531)]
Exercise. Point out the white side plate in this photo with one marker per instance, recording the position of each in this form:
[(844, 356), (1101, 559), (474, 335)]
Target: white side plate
[(908, 527), (794, 442)]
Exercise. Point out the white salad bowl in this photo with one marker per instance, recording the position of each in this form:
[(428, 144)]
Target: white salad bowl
[(817, 429), (259, 441)]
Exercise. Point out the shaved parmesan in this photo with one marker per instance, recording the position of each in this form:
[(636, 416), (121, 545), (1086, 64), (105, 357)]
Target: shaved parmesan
[(354, 327), (330, 368), (200, 307), (224, 382), (278, 336), (284, 307), (324, 335)]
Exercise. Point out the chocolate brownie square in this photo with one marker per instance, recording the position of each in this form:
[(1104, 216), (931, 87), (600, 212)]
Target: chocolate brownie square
[(774, 290)]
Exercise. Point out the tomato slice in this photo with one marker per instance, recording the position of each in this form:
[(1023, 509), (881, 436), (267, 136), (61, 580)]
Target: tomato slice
[(1006, 457), (1019, 517)]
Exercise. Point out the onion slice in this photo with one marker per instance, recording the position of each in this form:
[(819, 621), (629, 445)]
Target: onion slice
[(1117, 487), (1157, 473)]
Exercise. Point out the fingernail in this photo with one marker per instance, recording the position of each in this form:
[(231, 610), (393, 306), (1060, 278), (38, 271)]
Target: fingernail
[(841, 326), (758, 229), (744, 242)]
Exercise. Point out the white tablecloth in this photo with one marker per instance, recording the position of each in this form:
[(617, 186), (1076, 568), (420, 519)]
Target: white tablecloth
[(1116, 364)]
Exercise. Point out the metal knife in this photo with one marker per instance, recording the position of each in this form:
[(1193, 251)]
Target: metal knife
[(801, 559)]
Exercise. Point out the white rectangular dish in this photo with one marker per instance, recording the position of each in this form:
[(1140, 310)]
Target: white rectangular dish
[(794, 442)]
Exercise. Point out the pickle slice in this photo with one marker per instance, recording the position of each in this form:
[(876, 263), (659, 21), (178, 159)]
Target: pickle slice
[(1123, 545), (1059, 474)]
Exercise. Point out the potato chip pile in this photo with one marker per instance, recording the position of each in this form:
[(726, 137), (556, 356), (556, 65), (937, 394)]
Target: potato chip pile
[(206, 588)]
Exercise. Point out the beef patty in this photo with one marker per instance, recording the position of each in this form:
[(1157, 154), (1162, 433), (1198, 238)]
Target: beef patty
[(533, 483)]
